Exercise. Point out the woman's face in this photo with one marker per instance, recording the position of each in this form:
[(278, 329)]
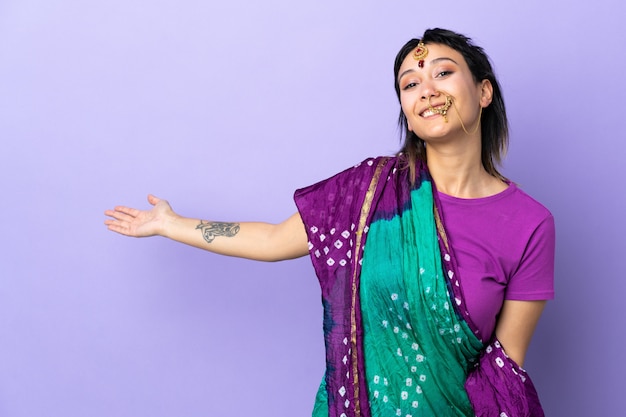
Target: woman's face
[(424, 88)]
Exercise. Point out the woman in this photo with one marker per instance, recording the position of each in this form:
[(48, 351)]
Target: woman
[(459, 261)]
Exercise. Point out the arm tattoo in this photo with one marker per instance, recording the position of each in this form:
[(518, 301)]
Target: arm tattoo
[(211, 230)]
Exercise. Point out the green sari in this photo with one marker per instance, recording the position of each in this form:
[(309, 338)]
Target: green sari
[(418, 351)]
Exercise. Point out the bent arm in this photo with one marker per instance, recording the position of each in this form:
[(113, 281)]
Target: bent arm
[(516, 325), (251, 240)]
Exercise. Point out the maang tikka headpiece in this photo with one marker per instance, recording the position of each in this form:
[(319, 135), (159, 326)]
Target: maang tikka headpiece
[(420, 53)]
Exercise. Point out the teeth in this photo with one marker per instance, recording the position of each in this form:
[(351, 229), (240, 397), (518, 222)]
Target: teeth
[(433, 111)]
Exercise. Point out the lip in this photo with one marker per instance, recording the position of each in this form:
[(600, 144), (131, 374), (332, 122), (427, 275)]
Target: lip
[(427, 109)]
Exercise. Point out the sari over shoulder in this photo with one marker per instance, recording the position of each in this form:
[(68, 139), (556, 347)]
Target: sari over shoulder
[(399, 339)]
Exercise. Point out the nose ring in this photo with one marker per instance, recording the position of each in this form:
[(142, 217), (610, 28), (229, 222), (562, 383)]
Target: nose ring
[(443, 110)]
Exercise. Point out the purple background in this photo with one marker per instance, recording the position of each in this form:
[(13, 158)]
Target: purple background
[(225, 108)]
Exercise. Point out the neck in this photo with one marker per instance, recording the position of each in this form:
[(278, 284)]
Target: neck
[(459, 172)]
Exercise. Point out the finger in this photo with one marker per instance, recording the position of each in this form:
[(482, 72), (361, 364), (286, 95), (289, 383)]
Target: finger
[(111, 222), (116, 227), (110, 213), (152, 199), (117, 224), (120, 215), (127, 210)]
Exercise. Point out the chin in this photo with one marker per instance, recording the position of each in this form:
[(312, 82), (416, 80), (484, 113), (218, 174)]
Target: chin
[(434, 134)]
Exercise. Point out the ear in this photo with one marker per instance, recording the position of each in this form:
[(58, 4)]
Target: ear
[(486, 93)]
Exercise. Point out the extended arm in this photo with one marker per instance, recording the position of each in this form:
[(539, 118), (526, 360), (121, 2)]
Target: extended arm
[(516, 326), (251, 240)]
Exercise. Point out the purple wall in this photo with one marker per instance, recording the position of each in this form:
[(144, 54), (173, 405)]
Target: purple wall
[(225, 108)]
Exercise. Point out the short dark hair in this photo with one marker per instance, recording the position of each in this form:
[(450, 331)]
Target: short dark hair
[(494, 126)]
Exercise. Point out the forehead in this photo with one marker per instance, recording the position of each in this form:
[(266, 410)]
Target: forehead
[(435, 51)]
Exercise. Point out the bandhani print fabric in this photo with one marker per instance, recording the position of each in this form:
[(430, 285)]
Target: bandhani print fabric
[(399, 340)]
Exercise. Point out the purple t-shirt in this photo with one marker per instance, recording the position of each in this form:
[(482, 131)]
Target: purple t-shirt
[(504, 245)]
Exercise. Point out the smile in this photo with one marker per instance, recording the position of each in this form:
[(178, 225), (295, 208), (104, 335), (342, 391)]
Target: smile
[(431, 111), (441, 109)]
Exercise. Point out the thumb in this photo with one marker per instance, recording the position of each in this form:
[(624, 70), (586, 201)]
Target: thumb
[(153, 199)]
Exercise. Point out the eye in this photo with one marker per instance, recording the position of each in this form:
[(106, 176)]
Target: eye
[(409, 86), (444, 73)]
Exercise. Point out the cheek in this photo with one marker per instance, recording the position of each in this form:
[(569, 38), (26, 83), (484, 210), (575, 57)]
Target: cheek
[(408, 113), (407, 116), (408, 102), (406, 107)]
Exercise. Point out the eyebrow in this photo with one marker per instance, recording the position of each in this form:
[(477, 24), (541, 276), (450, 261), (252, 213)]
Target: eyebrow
[(434, 61)]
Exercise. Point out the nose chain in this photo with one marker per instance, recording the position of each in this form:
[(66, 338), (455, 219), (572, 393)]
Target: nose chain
[(443, 110)]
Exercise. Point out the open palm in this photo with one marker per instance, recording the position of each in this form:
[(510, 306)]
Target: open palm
[(139, 223)]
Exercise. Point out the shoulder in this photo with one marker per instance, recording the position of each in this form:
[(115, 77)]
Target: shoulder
[(536, 228), (351, 177), (510, 203), (340, 196), (511, 215), (369, 165), (526, 206), (525, 199)]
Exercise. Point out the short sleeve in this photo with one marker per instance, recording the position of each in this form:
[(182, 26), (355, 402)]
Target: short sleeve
[(534, 277)]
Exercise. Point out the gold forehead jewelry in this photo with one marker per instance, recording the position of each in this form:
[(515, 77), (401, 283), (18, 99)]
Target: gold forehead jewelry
[(441, 110), (420, 53)]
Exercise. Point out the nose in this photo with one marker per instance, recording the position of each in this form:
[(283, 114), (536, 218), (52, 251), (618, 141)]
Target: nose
[(428, 90)]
